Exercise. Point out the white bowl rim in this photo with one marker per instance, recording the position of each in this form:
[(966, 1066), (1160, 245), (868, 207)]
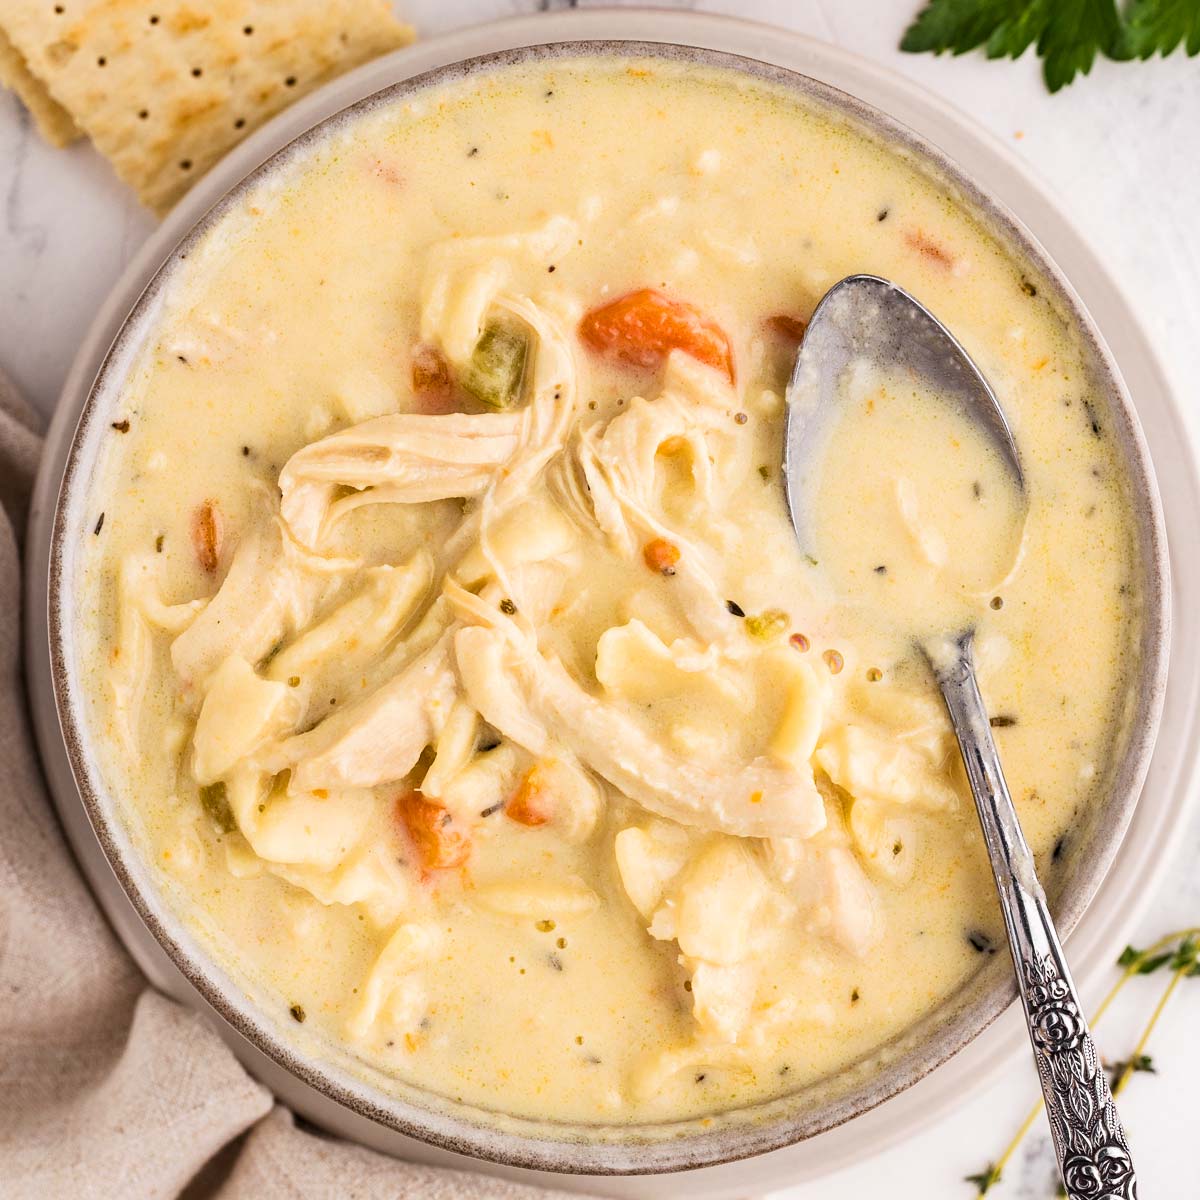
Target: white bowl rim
[(660, 1155)]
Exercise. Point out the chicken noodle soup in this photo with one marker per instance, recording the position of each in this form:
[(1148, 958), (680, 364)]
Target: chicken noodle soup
[(448, 644)]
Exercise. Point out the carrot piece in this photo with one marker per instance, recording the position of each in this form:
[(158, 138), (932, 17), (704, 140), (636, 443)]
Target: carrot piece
[(207, 535), (438, 840), (643, 327), (922, 243), (432, 381), (531, 804), (661, 556), (791, 329)]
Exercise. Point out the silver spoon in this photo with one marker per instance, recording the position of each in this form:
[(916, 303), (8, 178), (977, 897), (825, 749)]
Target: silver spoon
[(867, 318)]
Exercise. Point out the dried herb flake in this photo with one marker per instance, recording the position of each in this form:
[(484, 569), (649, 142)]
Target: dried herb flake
[(980, 942)]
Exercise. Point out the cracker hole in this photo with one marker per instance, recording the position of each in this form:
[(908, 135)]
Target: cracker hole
[(58, 8), (101, 61), (186, 165), (240, 123), (143, 114), (197, 72), (154, 20), (247, 29), (290, 81)]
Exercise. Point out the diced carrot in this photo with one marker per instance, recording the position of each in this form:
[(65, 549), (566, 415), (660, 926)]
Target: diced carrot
[(791, 329), (207, 535), (432, 381), (643, 327), (438, 839), (922, 243), (661, 556), (531, 804)]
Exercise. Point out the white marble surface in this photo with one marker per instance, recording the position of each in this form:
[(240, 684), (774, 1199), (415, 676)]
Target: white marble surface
[(1121, 150)]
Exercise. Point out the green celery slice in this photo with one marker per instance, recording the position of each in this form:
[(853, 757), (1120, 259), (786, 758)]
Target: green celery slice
[(496, 372)]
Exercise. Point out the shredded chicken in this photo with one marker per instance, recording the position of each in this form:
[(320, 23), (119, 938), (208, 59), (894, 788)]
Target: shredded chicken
[(267, 593), (405, 458), (317, 679), (465, 277), (828, 882), (545, 422), (377, 740), (140, 609), (534, 701), (620, 466)]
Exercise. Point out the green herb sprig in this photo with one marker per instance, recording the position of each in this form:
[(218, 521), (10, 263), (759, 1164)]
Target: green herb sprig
[(1067, 34), (1140, 1062), (986, 1178), (1178, 952)]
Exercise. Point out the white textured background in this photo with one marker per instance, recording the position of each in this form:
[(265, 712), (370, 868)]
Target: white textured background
[(1121, 149)]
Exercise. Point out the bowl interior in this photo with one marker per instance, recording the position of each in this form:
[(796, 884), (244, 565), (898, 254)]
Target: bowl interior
[(619, 1148)]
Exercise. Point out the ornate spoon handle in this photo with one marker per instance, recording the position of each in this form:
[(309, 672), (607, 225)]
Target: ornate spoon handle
[(1093, 1156)]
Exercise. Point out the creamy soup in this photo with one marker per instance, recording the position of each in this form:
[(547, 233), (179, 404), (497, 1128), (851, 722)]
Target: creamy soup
[(912, 510), (449, 647)]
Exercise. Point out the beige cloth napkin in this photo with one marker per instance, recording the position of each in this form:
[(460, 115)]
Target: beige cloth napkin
[(108, 1089)]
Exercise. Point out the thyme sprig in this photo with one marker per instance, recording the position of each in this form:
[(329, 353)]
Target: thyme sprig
[(986, 1178), (1179, 952), (1140, 1062)]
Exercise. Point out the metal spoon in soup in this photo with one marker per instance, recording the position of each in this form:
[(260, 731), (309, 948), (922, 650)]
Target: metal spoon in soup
[(880, 383)]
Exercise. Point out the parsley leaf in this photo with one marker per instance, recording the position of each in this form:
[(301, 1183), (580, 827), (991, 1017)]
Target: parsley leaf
[(1159, 26), (1074, 31), (958, 25), (1068, 34)]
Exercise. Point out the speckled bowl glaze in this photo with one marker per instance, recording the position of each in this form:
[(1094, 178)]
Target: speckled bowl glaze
[(321, 1079)]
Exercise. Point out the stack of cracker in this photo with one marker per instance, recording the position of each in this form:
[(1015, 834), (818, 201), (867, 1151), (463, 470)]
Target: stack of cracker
[(165, 87)]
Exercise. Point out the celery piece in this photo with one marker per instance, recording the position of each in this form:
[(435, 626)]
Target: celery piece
[(215, 803), (497, 368)]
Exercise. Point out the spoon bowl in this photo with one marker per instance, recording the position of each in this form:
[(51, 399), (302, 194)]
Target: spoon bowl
[(864, 318)]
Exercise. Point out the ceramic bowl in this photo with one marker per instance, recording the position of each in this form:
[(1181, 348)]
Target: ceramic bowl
[(328, 1084)]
